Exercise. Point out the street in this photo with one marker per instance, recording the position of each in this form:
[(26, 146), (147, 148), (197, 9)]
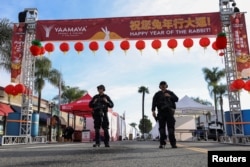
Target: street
[(120, 154)]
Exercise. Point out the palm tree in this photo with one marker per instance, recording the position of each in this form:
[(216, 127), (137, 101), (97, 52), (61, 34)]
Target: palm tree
[(212, 78), (71, 94), (5, 44), (221, 91), (143, 90), (44, 72)]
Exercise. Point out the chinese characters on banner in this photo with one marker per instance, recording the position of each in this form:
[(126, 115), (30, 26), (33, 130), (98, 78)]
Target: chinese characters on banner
[(239, 33), (18, 39), (132, 28)]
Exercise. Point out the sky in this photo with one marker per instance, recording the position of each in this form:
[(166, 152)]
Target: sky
[(122, 74)]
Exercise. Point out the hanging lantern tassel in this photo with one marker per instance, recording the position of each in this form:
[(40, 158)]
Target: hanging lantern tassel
[(93, 46), (64, 47), (140, 45), (172, 44), (124, 45), (156, 44), (109, 46), (188, 43), (79, 47)]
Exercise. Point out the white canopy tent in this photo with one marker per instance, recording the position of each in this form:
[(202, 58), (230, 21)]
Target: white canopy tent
[(187, 106)]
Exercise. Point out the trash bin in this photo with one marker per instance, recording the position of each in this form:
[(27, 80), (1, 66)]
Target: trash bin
[(86, 136)]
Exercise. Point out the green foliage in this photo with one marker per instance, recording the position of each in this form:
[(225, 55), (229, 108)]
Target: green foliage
[(148, 125)]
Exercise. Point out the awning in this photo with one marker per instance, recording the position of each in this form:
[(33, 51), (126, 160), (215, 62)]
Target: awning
[(5, 109), (43, 116)]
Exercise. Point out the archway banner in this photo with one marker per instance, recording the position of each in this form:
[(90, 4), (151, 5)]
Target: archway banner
[(239, 33), (141, 27)]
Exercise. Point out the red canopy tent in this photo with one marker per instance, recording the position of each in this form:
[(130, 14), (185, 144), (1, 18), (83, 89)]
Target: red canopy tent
[(79, 107), (5, 109)]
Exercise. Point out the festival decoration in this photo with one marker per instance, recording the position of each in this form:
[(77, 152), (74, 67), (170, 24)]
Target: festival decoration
[(238, 84), (109, 46), (214, 46), (93, 46), (79, 47), (9, 89), (172, 44), (49, 47), (35, 48), (221, 40), (247, 86), (188, 43), (124, 45), (221, 54), (20, 88), (156, 44), (42, 51), (140, 45), (204, 42), (64, 47)]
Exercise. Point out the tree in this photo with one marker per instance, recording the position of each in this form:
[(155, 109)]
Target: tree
[(145, 125), (70, 94), (221, 90), (44, 72), (143, 90), (5, 44), (212, 77)]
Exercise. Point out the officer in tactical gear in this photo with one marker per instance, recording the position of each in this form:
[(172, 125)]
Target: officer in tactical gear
[(164, 100), (100, 104)]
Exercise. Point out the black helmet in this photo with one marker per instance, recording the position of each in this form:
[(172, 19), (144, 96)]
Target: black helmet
[(101, 87), (163, 83)]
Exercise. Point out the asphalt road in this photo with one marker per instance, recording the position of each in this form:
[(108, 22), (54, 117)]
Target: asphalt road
[(120, 154)]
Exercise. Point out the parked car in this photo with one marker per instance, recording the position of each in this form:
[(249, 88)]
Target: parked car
[(212, 133)]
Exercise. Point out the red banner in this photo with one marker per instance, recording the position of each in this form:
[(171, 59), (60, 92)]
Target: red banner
[(144, 27), (18, 39), (239, 33)]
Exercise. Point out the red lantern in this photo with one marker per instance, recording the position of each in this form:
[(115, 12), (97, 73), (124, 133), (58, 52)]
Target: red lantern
[(214, 46), (9, 89), (124, 45), (204, 42), (188, 43), (64, 47), (49, 47), (156, 44), (109, 46), (140, 45), (221, 41), (93, 46), (79, 47), (232, 88), (238, 84), (172, 44), (42, 51), (35, 50), (221, 54), (20, 88), (247, 86)]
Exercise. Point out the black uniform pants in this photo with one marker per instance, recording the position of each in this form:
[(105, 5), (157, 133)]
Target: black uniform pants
[(167, 117), (101, 120)]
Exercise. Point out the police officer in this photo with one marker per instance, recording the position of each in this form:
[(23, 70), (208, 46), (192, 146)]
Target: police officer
[(164, 100), (100, 104)]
